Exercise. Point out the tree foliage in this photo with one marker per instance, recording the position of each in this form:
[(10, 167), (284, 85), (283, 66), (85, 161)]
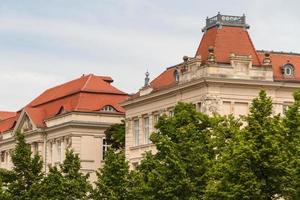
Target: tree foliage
[(253, 157), (115, 135), (22, 182), (255, 164), (66, 182), (113, 178)]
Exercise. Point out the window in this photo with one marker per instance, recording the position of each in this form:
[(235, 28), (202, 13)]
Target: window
[(51, 152), (58, 150), (288, 70), (136, 132), (108, 109), (171, 113), (146, 130), (6, 157), (176, 75), (199, 107), (155, 119), (2, 156), (35, 148), (104, 148)]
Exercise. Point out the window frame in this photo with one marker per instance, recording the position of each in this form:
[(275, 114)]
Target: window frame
[(288, 68), (136, 131), (147, 129)]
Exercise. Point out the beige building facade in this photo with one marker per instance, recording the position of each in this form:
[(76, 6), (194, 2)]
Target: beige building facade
[(223, 77), (73, 116)]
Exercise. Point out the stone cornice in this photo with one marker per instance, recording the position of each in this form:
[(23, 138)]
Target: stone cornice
[(207, 80)]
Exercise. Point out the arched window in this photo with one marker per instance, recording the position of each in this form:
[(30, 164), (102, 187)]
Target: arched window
[(108, 108), (288, 70)]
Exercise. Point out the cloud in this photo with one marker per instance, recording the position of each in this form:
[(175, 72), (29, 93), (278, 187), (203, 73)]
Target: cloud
[(44, 43), (20, 87)]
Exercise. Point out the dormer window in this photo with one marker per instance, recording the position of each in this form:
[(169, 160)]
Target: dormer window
[(288, 70), (108, 109), (61, 111), (176, 75)]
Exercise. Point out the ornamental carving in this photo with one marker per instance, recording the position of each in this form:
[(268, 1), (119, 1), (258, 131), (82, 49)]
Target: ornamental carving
[(211, 104)]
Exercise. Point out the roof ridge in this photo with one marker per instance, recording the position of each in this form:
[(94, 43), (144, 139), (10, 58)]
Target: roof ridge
[(78, 102), (279, 52), (253, 47), (87, 81), (65, 83), (215, 44)]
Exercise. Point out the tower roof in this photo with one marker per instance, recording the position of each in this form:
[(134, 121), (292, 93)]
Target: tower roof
[(227, 35)]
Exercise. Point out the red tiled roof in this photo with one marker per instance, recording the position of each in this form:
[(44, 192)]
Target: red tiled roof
[(5, 115), (164, 80), (89, 94), (227, 40), (279, 59), (89, 83), (9, 123)]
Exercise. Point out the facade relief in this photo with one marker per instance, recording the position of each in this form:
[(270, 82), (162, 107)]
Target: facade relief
[(211, 104)]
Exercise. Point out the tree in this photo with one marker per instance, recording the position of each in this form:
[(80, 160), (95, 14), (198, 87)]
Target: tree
[(113, 178), (184, 154), (292, 140), (6, 176), (254, 165), (66, 182), (115, 135), (24, 179)]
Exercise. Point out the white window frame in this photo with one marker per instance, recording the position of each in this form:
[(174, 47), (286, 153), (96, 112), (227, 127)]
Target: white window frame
[(147, 129), (136, 131), (58, 149), (288, 70)]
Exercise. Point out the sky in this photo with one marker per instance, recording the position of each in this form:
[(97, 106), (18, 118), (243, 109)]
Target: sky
[(44, 43)]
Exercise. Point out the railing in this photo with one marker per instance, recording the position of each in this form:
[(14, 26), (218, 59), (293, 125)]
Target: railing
[(226, 20)]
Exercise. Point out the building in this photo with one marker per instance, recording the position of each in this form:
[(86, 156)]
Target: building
[(72, 115), (225, 74)]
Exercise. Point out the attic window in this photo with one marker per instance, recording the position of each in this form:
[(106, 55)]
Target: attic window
[(176, 75), (288, 70), (108, 109), (61, 111)]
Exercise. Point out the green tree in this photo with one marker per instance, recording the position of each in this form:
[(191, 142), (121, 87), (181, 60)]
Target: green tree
[(113, 178), (115, 135), (254, 164), (24, 179), (292, 140), (184, 154), (6, 176), (66, 182)]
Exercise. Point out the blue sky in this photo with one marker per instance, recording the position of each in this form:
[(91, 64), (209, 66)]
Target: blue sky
[(47, 42)]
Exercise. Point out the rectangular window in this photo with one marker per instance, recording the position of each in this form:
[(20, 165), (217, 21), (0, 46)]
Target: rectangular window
[(146, 130), (6, 157), (58, 150), (171, 113), (199, 107), (104, 148), (155, 119), (51, 152), (35, 148), (2, 156), (136, 125)]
